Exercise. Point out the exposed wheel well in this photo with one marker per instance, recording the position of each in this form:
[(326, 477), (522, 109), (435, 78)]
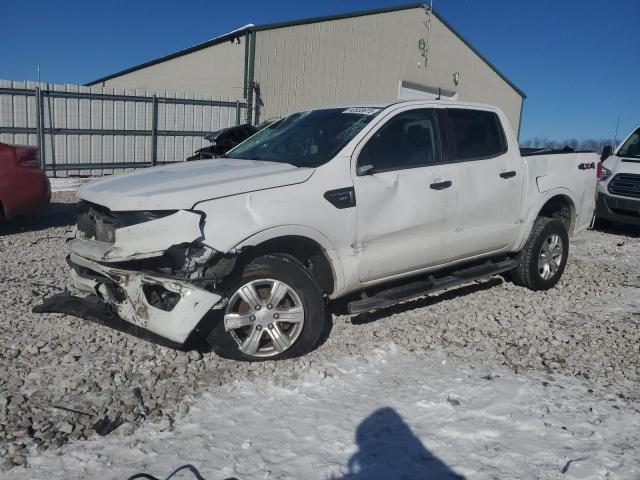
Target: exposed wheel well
[(561, 208), (307, 251)]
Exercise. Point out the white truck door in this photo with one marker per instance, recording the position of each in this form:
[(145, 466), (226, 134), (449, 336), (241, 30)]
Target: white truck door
[(406, 199), (491, 182)]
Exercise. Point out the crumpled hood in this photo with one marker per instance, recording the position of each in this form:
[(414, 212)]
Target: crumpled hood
[(182, 185)]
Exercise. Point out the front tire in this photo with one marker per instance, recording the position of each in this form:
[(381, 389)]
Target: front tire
[(543, 259), (275, 311)]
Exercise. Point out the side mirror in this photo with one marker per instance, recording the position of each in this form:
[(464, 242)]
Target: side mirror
[(365, 170), (607, 151)]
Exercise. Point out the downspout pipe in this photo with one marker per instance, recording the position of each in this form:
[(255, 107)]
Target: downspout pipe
[(249, 68)]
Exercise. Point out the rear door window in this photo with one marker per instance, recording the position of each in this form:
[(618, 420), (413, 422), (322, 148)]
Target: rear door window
[(475, 134), (408, 140)]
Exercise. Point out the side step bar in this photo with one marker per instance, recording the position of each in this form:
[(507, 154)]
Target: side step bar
[(419, 288)]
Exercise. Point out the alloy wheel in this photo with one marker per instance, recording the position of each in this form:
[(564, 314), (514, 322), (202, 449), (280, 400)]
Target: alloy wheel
[(550, 256), (265, 317)]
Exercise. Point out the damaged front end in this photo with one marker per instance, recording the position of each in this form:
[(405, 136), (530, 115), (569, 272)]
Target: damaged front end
[(148, 269)]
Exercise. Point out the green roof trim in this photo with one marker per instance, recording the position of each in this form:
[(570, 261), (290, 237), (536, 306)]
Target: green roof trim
[(216, 41), (246, 63), (305, 21), (339, 16), (520, 120), (249, 73)]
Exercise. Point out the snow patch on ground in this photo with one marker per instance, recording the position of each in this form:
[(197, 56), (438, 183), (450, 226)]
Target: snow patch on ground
[(391, 415), (68, 184)]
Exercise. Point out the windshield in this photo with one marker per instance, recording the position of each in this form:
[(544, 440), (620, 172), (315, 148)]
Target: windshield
[(306, 139), (631, 148)]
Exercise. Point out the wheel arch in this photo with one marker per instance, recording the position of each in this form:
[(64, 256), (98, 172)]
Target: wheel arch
[(307, 245), (559, 204), (561, 207)]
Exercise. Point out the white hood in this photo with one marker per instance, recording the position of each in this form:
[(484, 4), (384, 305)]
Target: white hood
[(182, 185), (622, 164)]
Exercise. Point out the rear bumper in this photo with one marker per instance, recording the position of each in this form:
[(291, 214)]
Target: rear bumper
[(133, 298), (617, 209)]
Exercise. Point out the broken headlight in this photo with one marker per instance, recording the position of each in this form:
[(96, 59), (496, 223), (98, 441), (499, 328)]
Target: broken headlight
[(126, 219), (99, 223)]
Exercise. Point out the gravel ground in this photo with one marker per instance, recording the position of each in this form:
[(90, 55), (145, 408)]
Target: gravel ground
[(63, 378)]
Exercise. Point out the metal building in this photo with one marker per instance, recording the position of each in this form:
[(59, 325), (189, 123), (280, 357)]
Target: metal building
[(375, 55)]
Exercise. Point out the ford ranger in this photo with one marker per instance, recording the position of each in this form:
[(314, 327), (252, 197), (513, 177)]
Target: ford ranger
[(375, 204)]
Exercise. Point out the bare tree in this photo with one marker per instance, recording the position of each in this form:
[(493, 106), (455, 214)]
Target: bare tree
[(588, 144)]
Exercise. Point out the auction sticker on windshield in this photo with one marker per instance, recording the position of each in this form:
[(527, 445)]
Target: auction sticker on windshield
[(362, 110)]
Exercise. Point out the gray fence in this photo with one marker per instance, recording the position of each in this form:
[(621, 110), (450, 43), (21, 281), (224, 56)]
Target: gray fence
[(98, 130)]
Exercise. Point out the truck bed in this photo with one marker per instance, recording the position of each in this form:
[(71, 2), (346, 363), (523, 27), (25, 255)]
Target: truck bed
[(573, 171), (529, 152)]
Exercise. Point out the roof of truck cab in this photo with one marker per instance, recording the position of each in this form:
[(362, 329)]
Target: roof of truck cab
[(427, 101), (356, 105)]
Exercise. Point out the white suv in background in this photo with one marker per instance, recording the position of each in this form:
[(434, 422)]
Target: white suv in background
[(619, 185)]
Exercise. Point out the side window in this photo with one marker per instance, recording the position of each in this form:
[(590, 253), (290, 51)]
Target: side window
[(408, 140), (476, 134)]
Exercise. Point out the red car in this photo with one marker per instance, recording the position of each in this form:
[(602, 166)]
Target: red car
[(23, 186)]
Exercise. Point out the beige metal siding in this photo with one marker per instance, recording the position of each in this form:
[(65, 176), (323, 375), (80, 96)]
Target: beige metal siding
[(364, 58), (216, 70)]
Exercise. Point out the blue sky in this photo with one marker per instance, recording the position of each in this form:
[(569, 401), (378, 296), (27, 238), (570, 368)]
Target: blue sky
[(577, 61)]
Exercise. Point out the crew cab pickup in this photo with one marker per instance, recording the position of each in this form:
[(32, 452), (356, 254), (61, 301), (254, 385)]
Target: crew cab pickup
[(376, 203), (619, 185)]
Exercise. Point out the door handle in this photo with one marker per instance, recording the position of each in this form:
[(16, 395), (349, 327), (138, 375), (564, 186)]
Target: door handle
[(510, 174), (440, 185)]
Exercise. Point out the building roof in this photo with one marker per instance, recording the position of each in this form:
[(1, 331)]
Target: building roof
[(270, 26)]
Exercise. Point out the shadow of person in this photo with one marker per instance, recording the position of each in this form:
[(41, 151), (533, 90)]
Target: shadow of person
[(388, 449)]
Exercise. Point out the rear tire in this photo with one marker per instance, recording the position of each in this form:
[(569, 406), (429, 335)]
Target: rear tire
[(543, 259), (282, 288)]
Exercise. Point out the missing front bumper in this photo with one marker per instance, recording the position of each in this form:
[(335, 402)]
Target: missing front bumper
[(126, 293), (95, 310)]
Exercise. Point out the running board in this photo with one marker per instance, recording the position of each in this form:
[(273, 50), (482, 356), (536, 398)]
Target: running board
[(420, 288)]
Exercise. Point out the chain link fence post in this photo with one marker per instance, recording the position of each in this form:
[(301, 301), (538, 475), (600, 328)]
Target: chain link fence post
[(40, 127), (154, 132)]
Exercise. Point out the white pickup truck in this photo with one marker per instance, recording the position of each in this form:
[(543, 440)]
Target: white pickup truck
[(376, 203)]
